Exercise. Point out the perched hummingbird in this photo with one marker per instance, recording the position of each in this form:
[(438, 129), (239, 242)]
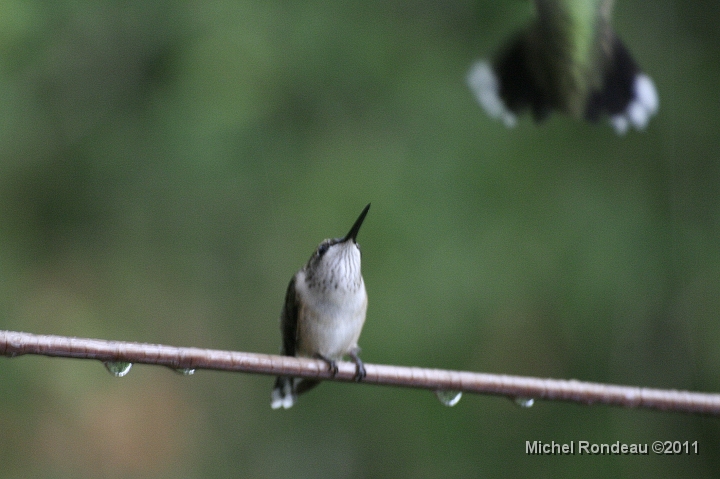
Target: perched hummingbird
[(567, 59), (324, 312)]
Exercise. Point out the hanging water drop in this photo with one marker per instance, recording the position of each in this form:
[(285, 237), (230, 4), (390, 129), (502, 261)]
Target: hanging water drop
[(117, 368), (524, 402), (448, 398), (183, 371)]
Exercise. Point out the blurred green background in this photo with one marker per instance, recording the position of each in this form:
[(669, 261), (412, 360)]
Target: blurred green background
[(166, 167)]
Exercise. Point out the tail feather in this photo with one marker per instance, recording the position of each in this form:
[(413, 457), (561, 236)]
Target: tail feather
[(287, 389), (283, 395), (516, 81), (627, 95)]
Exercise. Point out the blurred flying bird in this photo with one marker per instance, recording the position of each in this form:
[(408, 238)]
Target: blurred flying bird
[(567, 59)]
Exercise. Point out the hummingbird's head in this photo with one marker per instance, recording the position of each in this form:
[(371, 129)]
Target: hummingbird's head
[(335, 263)]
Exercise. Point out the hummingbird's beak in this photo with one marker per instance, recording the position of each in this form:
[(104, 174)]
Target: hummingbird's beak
[(356, 227)]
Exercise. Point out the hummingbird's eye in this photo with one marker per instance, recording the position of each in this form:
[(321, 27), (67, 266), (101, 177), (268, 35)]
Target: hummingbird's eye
[(322, 249)]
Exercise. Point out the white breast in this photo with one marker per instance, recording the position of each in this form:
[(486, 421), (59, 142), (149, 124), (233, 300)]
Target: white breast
[(329, 320)]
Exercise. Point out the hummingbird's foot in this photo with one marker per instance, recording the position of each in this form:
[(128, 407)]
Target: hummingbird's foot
[(360, 372), (332, 365)]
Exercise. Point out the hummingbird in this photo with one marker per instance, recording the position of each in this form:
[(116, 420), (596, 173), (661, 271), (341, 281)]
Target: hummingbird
[(567, 59), (324, 312)]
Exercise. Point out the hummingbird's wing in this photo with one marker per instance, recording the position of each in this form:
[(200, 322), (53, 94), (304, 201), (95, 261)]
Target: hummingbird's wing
[(287, 388), (289, 320), (283, 394)]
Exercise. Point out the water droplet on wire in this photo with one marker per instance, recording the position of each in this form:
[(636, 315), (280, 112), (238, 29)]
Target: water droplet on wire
[(117, 368), (524, 402), (448, 398)]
